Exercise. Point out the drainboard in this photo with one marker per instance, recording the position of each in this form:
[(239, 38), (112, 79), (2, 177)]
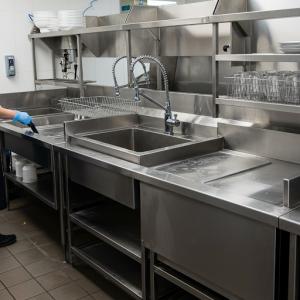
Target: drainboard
[(54, 133)]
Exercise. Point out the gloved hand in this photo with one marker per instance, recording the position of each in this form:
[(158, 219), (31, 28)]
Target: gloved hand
[(22, 117)]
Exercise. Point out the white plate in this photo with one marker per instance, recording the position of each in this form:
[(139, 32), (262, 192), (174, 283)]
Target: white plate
[(71, 27), (69, 11), (291, 42), (291, 51)]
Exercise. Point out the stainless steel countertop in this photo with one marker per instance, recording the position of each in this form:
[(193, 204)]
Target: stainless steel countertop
[(228, 199), (291, 222)]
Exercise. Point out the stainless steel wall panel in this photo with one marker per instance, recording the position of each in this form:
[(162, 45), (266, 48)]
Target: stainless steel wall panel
[(269, 143), (31, 99), (226, 250)]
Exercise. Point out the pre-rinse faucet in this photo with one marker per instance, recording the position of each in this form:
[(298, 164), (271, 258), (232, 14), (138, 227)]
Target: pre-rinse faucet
[(169, 121), (117, 87)]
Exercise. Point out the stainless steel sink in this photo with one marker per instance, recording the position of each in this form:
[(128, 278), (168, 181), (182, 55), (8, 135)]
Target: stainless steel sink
[(144, 146), (136, 139)]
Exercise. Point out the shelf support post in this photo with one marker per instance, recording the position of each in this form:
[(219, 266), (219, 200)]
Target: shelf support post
[(79, 54), (34, 62), (129, 56), (215, 68)]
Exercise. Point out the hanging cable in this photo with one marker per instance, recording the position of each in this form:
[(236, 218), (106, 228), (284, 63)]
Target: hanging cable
[(89, 6)]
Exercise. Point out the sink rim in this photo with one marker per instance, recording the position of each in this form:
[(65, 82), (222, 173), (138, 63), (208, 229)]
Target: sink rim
[(84, 137)]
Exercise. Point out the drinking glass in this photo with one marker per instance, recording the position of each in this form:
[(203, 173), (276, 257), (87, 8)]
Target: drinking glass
[(272, 86), (240, 86)]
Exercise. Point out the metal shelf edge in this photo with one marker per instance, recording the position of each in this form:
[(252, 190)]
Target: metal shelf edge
[(190, 287), (104, 272), (259, 105), (259, 57), (107, 240)]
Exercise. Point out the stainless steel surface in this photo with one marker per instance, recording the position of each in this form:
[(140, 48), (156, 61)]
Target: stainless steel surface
[(105, 182), (259, 105), (71, 83), (215, 68), (129, 55), (293, 292), (290, 222), (208, 242), (187, 284), (260, 141), (36, 99), (35, 112), (113, 265), (214, 166), (263, 184), (291, 191), (80, 72), (113, 223), (259, 57)]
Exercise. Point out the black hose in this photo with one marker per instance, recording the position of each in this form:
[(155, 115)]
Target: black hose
[(75, 70)]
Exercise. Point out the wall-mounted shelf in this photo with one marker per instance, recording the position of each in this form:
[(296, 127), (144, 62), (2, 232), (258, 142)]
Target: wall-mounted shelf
[(245, 16), (62, 82), (259, 57), (259, 105)]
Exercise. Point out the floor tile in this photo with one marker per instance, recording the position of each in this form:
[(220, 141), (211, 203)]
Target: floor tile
[(6, 228), (30, 256), (71, 291), (52, 249), (8, 263), (32, 231), (42, 267), (42, 239), (24, 223), (4, 252), (15, 216), (54, 280), (88, 284), (5, 295), (2, 220), (59, 260), (2, 286), (19, 235), (74, 273), (44, 296), (20, 246), (26, 290), (87, 298), (15, 276), (112, 293)]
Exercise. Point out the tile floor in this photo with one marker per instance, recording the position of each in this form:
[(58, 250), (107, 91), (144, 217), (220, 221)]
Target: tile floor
[(33, 267)]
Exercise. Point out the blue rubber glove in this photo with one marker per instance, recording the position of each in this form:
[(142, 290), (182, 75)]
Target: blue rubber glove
[(22, 117)]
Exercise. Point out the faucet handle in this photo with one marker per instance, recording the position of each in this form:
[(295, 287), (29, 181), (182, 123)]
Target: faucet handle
[(175, 116)]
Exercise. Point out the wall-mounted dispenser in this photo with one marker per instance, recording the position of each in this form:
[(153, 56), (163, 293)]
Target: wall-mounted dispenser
[(10, 65)]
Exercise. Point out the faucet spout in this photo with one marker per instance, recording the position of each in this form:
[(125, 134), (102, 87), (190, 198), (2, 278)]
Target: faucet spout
[(117, 87), (169, 121)]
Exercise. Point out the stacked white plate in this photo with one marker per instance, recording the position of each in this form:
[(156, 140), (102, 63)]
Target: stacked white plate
[(42, 18), (53, 24), (292, 47), (71, 19)]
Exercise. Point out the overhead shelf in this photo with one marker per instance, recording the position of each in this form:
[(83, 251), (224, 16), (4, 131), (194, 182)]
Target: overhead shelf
[(71, 83), (113, 265), (259, 105), (259, 57), (42, 188), (115, 224), (245, 16)]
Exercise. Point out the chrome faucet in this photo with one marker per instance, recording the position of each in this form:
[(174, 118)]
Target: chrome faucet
[(169, 121), (117, 87)]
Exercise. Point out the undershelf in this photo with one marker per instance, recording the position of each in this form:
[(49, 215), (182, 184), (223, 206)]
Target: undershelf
[(113, 223), (259, 57), (42, 188), (72, 83), (113, 265)]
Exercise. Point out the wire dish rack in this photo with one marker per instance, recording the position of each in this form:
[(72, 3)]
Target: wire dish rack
[(263, 90), (97, 107)]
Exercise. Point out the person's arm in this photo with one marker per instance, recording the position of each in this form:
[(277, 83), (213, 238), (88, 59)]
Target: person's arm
[(15, 115), (7, 113)]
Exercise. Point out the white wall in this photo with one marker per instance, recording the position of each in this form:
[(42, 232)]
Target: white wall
[(15, 26)]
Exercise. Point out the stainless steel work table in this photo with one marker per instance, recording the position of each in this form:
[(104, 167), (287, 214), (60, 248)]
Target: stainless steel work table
[(240, 204)]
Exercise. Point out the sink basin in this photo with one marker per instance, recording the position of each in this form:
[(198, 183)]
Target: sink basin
[(136, 139), (146, 147)]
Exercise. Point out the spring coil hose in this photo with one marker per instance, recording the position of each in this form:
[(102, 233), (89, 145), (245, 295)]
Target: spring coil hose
[(163, 70), (120, 58)]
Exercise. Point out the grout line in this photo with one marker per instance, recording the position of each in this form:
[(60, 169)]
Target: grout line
[(10, 293)]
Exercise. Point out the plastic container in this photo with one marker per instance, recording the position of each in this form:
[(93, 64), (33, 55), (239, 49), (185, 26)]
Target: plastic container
[(19, 167), (29, 173)]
